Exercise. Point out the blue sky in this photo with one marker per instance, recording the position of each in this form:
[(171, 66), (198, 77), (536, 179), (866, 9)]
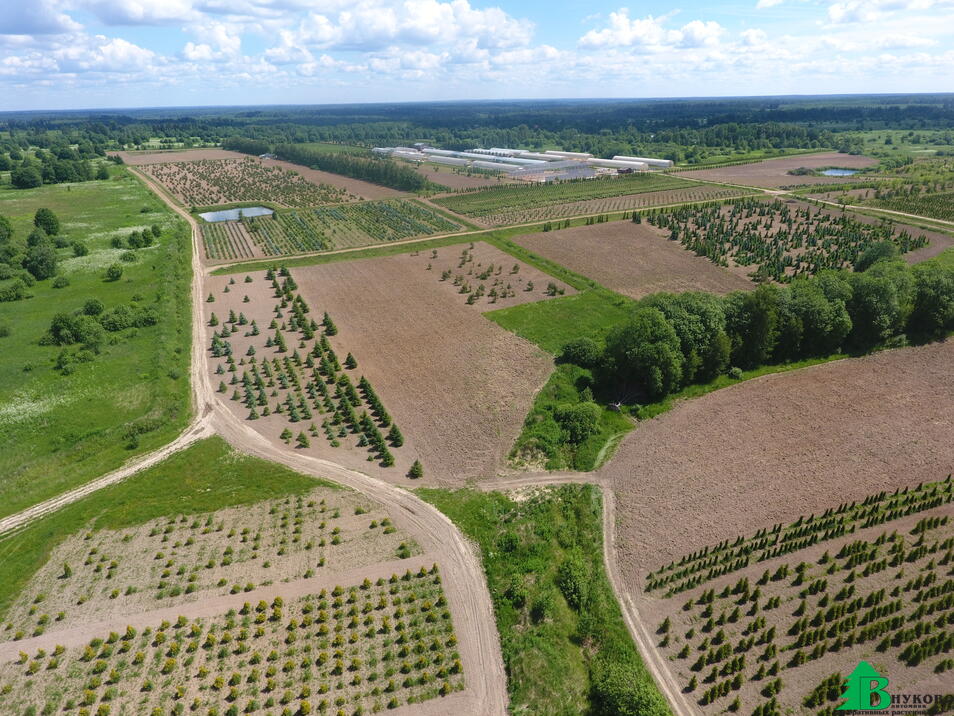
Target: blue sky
[(58, 54)]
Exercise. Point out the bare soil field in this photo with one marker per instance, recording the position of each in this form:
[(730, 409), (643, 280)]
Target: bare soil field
[(633, 259), (700, 192), (771, 449), (175, 561), (773, 173), (363, 189), (138, 159), (457, 385)]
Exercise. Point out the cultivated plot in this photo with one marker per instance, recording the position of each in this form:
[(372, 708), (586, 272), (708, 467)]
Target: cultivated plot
[(774, 173), (458, 385), (791, 444), (782, 240), (778, 619), (208, 182), (362, 647), (323, 228), (105, 574), (632, 259), (629, 202)]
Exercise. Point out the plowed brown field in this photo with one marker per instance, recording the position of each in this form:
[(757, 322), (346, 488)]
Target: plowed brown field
[(773, 173), (772, 449), (633, 259)]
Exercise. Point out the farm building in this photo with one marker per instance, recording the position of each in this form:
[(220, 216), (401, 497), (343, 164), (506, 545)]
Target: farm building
[(661, 163)]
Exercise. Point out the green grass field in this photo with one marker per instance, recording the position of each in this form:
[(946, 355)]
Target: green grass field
[(205, 477), (58, 431), (550, 324), (565, 646), (512, 197)]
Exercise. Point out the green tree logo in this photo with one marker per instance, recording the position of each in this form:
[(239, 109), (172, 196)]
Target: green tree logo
[(861, 686)]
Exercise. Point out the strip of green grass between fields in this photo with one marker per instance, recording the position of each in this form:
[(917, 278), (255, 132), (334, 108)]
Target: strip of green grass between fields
[(565, 645)]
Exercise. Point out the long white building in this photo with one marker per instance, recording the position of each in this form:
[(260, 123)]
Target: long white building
[(666, 163)]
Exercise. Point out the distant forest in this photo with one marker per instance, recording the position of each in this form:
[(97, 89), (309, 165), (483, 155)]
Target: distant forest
[(684, 130)]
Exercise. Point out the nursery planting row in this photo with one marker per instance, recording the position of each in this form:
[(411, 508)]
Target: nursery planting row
[(732, 555), (361, 649), (299, 378), (516, 197), (208, 182), (757, 644), (226, 240), (778, 240)]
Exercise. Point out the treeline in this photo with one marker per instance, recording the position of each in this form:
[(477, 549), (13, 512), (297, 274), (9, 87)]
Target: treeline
[(255, 147), (673, 340), (376, 171), (54, 166)]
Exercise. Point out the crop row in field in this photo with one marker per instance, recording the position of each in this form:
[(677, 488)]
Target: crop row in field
[(766, 638), (515, 197), (314, 380), (781, 241), (933, 205), (692, 570), (226, 240), (694, 193), (207, 182), (350, 650), (369, 222), (162, 562)]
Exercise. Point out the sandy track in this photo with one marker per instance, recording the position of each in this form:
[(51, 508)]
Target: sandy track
[(463, 578)]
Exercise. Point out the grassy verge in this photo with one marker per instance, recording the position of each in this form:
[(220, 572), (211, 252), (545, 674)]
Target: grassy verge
[(58, 431), (542, 434), (565, 645), (206, 476), (550, 324)]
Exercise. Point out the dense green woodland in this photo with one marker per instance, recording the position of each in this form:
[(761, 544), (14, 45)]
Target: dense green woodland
[(684, 130)]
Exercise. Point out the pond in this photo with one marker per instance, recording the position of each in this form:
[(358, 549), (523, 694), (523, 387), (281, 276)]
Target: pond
[(839, 172), (235, 214)]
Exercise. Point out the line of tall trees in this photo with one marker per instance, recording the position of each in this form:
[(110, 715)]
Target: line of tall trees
[(376, 171), (673, 340)]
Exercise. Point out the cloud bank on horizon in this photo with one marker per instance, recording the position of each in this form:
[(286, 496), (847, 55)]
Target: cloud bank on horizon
[(122, 53)]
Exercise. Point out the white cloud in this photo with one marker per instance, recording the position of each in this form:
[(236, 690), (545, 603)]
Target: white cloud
[(141, 12), (762, 4), (847, 11), (650, 33), (34, 17)]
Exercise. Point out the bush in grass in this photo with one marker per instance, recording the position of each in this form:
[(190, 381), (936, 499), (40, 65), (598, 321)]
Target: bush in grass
[(114, 272), (584, 352), (578, 421), (619, 689), (573, 579)]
